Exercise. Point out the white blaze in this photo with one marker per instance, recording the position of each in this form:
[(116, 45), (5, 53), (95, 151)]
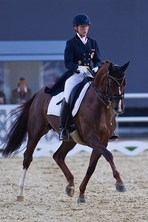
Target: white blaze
[(120, 102)]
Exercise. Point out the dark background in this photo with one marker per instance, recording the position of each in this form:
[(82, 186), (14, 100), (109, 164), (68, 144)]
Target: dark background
[(119, 26)]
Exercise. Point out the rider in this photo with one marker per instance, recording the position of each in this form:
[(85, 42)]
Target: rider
[(81, 54)]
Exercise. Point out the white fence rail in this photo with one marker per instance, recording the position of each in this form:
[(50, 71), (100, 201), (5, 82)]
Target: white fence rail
[(136, 95), (134, 118)]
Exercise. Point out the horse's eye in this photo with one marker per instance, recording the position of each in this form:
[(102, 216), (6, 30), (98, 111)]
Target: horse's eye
[(111, 85)]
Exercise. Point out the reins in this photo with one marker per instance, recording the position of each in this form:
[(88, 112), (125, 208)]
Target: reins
[(96, 90), (107, 96), (97, 93)]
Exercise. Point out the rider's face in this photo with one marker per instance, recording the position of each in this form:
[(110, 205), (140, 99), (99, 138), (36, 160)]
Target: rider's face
[(82, 30)]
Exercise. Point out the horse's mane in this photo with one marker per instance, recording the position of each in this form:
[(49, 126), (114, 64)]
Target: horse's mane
[(101, 72), (104, 67)]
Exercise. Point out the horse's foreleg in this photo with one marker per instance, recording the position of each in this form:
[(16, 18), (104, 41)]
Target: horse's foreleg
[(109, 157), (119, 183), (92, 165), (59, 157)]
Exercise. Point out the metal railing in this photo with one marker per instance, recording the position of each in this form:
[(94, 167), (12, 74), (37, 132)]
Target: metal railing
[(134, 118)]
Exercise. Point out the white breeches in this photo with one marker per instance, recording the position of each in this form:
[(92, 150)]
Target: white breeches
[(72, 81)]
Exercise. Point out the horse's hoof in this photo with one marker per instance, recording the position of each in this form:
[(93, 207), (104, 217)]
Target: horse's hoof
[(81, 200), (120, 187), (20, 198), (70, 191)]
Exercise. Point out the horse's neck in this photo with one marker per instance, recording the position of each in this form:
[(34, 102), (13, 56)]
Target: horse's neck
[(101, 74), (98, 100)]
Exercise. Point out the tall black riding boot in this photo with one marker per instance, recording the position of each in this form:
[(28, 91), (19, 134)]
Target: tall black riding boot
[(64, 115)]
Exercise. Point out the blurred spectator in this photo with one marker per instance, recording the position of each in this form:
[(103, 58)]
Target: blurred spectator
[(2, 94), (21, 94)]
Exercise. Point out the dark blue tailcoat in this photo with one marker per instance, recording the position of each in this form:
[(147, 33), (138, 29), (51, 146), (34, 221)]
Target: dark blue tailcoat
[(77, 54)]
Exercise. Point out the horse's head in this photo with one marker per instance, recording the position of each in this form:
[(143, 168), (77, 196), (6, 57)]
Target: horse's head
[(115, 84), (111, 84)]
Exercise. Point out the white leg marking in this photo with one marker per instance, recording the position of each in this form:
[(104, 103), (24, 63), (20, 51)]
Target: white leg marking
[(20, 195)]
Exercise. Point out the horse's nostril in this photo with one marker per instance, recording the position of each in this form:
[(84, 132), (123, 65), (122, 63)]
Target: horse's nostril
[(118, 110)]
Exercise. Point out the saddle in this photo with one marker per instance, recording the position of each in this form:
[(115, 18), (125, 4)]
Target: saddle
[(76, 91), (75, 98), (75, 94)]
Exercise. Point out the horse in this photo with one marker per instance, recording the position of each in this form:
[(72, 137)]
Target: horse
[(95, 122)]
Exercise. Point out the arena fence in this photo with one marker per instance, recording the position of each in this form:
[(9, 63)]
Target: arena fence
[(50, 142)]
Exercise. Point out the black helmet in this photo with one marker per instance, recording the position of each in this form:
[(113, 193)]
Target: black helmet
[(81, 19)]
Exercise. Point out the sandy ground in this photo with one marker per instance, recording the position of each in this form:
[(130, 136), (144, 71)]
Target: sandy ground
[(46, 200)]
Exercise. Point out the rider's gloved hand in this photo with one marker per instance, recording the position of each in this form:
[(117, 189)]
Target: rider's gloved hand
[(95, 69), (82, 69)]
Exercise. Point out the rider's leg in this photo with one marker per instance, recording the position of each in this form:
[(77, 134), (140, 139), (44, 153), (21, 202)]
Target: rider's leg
[(64, 114), (65, 109), (70, 83)]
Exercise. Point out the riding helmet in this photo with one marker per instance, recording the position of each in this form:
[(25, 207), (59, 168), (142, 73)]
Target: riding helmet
[(81, 19)]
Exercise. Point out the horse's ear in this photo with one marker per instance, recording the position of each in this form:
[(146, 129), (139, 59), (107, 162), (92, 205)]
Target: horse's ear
[(111, 67), (124, 67)]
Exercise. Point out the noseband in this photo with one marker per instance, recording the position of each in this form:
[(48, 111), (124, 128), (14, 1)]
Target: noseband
[(119, 82)]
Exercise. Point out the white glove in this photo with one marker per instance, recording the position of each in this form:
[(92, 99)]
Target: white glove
[(95, 69), (82, 69)]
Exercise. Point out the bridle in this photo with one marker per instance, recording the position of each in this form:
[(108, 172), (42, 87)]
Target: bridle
[(107, 99), (119, 82)]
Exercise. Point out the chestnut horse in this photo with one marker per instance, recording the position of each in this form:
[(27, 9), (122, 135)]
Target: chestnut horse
[(95, 122)]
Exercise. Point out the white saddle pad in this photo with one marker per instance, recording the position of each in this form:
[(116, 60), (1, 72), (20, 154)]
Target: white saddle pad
[(54, 109)]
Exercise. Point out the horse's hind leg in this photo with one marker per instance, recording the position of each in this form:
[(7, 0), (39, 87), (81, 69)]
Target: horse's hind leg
[(92, 165), (20, 196), (28, 157), (26, 163), (59, 157)]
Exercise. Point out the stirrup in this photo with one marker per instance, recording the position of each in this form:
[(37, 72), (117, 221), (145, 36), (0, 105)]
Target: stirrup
[(64, 135)]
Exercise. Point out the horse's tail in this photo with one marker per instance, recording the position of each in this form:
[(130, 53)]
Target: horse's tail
[(18, 130)]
